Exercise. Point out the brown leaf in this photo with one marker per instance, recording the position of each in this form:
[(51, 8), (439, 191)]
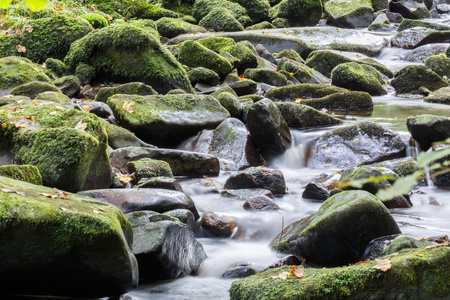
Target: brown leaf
[(81, 126), (128, 107), (5, 190), (28, 28), (9, 32), (49, 195), (297, 272), (21, 49), (438, 245), (383, 264), (61, 194), (282, 276), (125, 178)]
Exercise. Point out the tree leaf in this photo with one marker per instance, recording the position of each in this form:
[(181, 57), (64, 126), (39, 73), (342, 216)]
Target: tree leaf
[(128, 107), (36, 5), (49, 195), (401, 186), (21, 49), (383, 264), (426, 158), (81, 126), (297, 272), (4, 4), (127, 178), (5, 190)]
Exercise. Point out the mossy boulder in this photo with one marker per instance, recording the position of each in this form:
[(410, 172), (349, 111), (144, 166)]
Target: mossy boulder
[(245, 55), (216, 43), (410, 78), (119, 137), (231, 103), (57, 97), (32, 89), (409, 23), (419, 36), (203, 75), (303, 91), (402, 166), (129, 53), (354, 145), (244, 87), (302, 116), (147, 168), (299, 71), (25, 173), (56, 66), (85, 73), (439, 178), (260, 26), (49, 37), (257, 10), (258, 178), (339, 232), (193, 54), (68, 85), (289, 53), (96, 20), (44, 135), (427, 129), (220, 19), (68, 245), (410, 9), (343, 101), (170, 27), (298, 12), (440, 64), (167, 119), (133, 9), (202, 8), (266, 76), (358, 77), (441, 95), (131, 88), (419, 273), (349, 14)]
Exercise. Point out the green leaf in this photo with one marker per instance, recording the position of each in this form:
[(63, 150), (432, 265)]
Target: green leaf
[(401, 186), (4, 4), (427, 157), (36, 5)]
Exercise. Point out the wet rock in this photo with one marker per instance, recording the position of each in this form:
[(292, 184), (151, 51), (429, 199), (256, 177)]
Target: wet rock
[(266, 76), (164, 247), (300, 71), (260, 203), (170, 27), (220, 19), (354, 145), (266, 178), (359, 77), (440, 64), (381, 23), (296, 13), (441, 95), (147, 168), (302, 116), (443, 8), (100, 109), (410, 78), (203, 75), (131, 88), (159, 182), (57, 97), (245, 53), (55, 65), (408, 23), (320, 188), (339, 232), (288, 260), (244, 87), (119, 137), (410, 9), (34, 88), (68, 85), (264, 53), (231, 103), (245, 194), (157, 200), (343, 101), (402, 166), (184, 215), (268, 129), (239, 271), (378, 5), (419, 36), (166, 120), (441, 180), (349, 14), (421, 53), (74, 247), (304, 91), (218, 225), (427, 129), (394, 17), (25, 173), (231, 142), (291, 54)]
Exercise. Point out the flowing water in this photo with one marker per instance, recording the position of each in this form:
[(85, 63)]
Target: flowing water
[(428, 216)]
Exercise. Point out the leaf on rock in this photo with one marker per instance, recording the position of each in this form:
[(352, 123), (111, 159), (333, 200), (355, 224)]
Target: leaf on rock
[(61, 194), (297, 272), (49, 195), (21, 49), (282, 276), (383, 264), (125, 178), (81, 126), (446, 243), (5, 190), (86, 108), (28, 28), (128, 107)]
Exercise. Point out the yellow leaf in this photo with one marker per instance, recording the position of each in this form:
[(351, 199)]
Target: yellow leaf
[(21, 49), (297, 272), (52, 113), (299, 100), (124, 178), (81, 126), (128, 107), (4, 4), (4, 125), (58, 107), (419, 255), (86, 108), (383, 264), (356, 141), (36, 5)]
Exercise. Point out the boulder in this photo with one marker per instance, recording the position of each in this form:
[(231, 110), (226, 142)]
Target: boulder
[(119, 137), (268, 129), (260, 203), (410, 9), (320, 189), (410, 78), (441, 95), (147, 168), (63, 245), (343, 101), (349, 14), (300, 71), (409, 23), (159, 182), (304, 91), (257, 10), (202, 8), (419, 54), (125, 53), (157, 200), (402, 166), (419, 36), (266, 76), (55, 65), (57, 97), (170, 27), (339, 232), (68, 85), (34, 88), (217, 225), (440, 64), (231, 103), (221, 19), (166, 120), (354, 145), (184, 216), (439, 178), (298, 12), (289, 53), (240, 271), (244, 53), (254, 178), (244, 87), (164, 247), (301, 116), (427, 129), (130, 88), (203, 75), (95, 19), (25, 173), (261, 26), (381, 23)]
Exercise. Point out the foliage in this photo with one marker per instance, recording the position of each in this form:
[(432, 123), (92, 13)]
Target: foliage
[(34, 5)]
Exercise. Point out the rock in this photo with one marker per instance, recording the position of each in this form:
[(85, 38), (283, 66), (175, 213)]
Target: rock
[(266, 178), (55, 65), (203, 75), (419, 36), (131, 88), (441, 95), (67, 246), (427, 265), (164, 247), (380, 5), (421, 53), (410, 78), (244, 53), (232, 143), (349, 14), (85, 73), (301, 72), (427, 129), (34, 88), (231, 103), (408, 23), (218, 225), (302, 116), (298, 12), (257, 10), (268, 129), (394, 17), (260, 203), (266, 76), (147, 168), (261, 26), (280, 22), (119, 137), (359, 77), (443, 8), (339, 232), (355, 145), (50, 37), (125, 53), (215, 43), (25, 173), (291, 54), (264, 53), (343, 101), (402, 166), (182, 163), (184, 215), (167, 119), (244, 87), (68, 147), (69, 85), (246, 194), (410, 9), (441, 180), (159, 182), (239, 271), (220, 19), (440, 64), (202, 8), (157, 200), (170, 27), (57, 97), (304, 91), (381, 23), (95, 19), (319, 189)]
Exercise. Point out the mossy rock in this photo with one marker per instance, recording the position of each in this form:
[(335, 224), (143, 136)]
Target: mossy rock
[(57, 97), (226, 88), (244, 87), (148, 25), (119, 137), (298, 12), (410, 78), (402, 166), (440, 64), (411, 9), (25, 173), (441, 95), (144, 10), (170, 27), (203, 75), (257, 10), (46, 136), (15, 71), (167, 119), (216, 43), (358, 77), (128, 53), (298, 70), (245, 55), (32, 89), (428, 129), (289, 53), (366, 50), (96, 20), (381, 23), (56, 66), (280, 23), (290, 93), (147, 168), (51, 243), (85, 73), (50, 37), (220, 19), (419, 273), (231, 103), (131, 88), (68, 85), (266, 76), (201, 8), (409, 23), (344, 101), (351, 14), (11, 100), (193, 54), (260, 26), (302, 116)]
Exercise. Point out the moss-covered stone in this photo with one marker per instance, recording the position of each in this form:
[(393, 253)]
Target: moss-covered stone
[(257, 10), (289, 53), (298, 12), (427, 129), (95, 19), (194, 55), (408, 23), (260, 26), (410, 78), (68, 85), (402, 166), (440, 64), (266, 76), (32, 89), (203, 75), (201, 8), (244, 87), (302, 91), (231, 103), (170, 27), (25, 173), (148, 25), (49, 37), (280, 22), (358, 77), (57, 97), (226, 88), (56, 66), (245, 55), (349, 14), (366, 50), (119, 137), (302, 116), (147, 168), (128, 53), (343, 101), (220, 19), (381, 23), (441, 95), (298, 70), (131, 88), (216, 43), (85, 73)]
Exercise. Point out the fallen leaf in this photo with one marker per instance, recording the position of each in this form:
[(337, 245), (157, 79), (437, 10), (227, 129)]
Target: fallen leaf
[(8, 96), (419, 255), (11, 191), (86, 108), (4, 125), (383, 264), (63, 209), (299, 100), (297, 272), (28, 28), (96, 211), (128, 107), (124, 178), (362, 262), (30, 117), (9, 32), (21, 49), (61, 194), (58, 107), (49, 195), (446, 243), (102, 209), (81, 126)]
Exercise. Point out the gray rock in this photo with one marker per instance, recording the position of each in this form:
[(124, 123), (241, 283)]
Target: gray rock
[(266, 178), (427, 129)]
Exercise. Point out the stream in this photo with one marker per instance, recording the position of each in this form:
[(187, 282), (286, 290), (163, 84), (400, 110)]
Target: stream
[(428, 216)]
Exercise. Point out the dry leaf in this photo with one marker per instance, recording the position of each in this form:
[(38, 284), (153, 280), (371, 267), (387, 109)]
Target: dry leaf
[(81, 126), (383, 264), (63, 209), (11, 191), (21, 49), (86, 108), (438, 245), (30, 117), (48, 195), (362, 262), (102, 209), (58, 107), (280, 276), (52, 113), (128, 107), (297, 272), (61, 194), (299, 100), (28, 28), (127, 178)]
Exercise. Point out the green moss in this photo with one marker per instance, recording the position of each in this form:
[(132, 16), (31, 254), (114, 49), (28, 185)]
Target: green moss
[(247, 58), (96, 20), (410, 78), (15, 71), (216, 44), (220, 19), (289, 53), (57, 97), (56, 66), (260, 26), (299, 12), (257, 10), (303, 91), (440, 64), (25, 173), (147, 168), (352, 48), (203, 75), (280, 23), (131, 88), (297, 69), (266, 76), (85, 73), (32, 89), (170, 27), (408, 23), (201, 8), (353, 13), (343, 101)]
